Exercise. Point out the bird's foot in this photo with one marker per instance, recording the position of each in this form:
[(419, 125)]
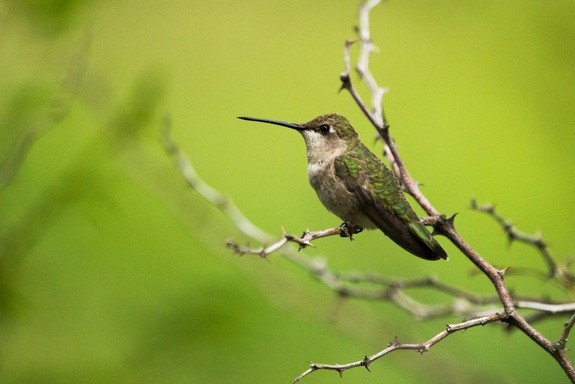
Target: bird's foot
[(348, 230)]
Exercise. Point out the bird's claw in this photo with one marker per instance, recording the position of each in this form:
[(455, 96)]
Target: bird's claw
[(348, 230)]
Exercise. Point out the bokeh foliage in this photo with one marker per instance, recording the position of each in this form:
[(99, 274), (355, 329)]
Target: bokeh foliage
[(112, 270)]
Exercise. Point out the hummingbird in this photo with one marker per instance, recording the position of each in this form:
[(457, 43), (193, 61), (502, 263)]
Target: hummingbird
[(354, 184)]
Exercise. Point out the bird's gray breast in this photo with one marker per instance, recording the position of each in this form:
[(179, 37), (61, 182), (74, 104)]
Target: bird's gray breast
[(334, 195)]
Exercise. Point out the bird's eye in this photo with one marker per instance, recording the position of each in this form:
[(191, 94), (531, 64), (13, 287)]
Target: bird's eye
[(324, 128)]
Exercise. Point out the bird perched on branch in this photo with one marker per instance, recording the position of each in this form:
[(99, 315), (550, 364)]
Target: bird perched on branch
[(353, 183)]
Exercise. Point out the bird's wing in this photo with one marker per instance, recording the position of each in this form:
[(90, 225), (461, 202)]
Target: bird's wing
[(381, 200)]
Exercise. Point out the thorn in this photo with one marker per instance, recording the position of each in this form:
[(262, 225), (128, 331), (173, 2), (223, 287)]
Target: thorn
[(538, 237), (345, 81), (366, 362), (432, 279), (490, 208), (473, 203), (503, 271), (340, 371), (451, 219), (349, 43)]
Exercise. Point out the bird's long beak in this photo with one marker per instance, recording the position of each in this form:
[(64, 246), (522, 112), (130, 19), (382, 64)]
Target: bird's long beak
[(295, 126)]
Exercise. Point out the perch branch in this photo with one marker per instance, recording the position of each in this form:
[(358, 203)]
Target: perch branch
[(302, 241)]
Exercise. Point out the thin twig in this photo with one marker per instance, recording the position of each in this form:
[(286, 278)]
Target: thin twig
[(395, 345), (362, 66), (562, 342), (207, 192), (302, 241), (565, 278), (382, 127)]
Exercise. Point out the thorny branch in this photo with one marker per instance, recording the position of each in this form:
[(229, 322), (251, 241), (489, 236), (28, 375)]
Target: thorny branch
[(554, 271), (395, 345), (502, 307), (303, 241)]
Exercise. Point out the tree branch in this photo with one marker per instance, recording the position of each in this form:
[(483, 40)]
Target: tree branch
[(302, 241), (395, 345), (564, 277), (562, 342)]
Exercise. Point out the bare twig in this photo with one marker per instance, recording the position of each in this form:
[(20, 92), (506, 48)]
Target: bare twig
[(562, 342), (362, 66), (395, 345), (302, 241), (546, 307), (210, 194), (565, 278), (380, 124)]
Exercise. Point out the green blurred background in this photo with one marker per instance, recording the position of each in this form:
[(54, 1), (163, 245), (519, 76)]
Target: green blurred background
[(113, 271)]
